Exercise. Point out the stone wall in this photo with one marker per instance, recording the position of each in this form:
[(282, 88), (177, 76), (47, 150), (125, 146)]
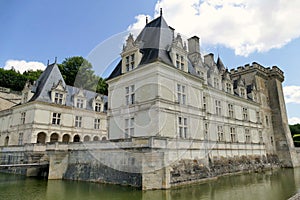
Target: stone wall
[(187, 171), (8, 98)]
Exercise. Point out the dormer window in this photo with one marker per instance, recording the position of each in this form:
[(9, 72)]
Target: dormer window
[(216, 83), (58, 98), (79, 103), (98, 107), (242, 92), (228, 87), (179, 62), (130, 62)]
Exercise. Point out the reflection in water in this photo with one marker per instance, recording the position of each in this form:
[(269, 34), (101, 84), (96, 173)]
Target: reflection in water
[(278, 184)]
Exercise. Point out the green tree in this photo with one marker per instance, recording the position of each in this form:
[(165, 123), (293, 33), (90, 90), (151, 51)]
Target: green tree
[(12, 79), (32, 75), (78, 72), (295, 131)]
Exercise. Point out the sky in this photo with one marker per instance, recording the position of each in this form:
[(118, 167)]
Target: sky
[(239, 31)]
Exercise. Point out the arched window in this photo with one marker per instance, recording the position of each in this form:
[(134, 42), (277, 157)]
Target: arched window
[(104, 138), (41, 138), (66, 138), (6, 141), (54, 137), (96, 138), (86, 138), (76, 138)]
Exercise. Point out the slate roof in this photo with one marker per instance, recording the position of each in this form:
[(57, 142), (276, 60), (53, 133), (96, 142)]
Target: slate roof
[(49, 78)]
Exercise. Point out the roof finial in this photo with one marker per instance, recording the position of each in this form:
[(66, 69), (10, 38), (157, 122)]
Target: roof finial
[(146, 20), (160, 11), (55, 60), (48, 63)]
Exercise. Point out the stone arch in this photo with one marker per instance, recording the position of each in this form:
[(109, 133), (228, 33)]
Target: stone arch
[(76, 138), (87, 138), (6, 141), (41, 138), (103, 138), (66, 138), (96, 138), (54, 137)]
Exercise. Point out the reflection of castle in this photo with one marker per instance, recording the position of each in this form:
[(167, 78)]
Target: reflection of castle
[(52, 111), (161, 88)]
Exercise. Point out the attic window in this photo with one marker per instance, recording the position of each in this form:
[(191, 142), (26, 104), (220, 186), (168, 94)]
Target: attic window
[(179, 62), (58, 98), (98, 107), (130, 62)]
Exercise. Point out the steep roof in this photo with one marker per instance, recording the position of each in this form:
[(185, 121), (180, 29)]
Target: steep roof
[(153, 42), (50, 77)]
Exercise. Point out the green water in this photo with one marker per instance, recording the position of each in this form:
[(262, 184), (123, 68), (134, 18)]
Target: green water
[(278, 184)]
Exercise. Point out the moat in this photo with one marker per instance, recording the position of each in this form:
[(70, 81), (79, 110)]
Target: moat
[(277, 184)]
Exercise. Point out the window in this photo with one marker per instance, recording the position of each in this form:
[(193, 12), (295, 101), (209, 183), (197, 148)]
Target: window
[(218, 107), (97, 124), (23, 116), (56, 118), (20, 139), (206, 131), (267, 120), (245, 114), (78, 121), (261, 139), (181, 94), (233, 135), (258, 117), (228, 87), (242, 92), (130, 62), (230, 110), (25, 97), (58, 98), (179, 62), (98, 107), (79, 103), (220, 134), (216, 83), (204, 103), (129, 127), (247, 136), (182, 127), (129, 95)]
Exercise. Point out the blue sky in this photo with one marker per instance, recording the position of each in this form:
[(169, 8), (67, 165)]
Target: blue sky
[(35, 31)]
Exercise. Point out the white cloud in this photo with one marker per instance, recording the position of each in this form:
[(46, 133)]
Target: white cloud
[(292, 94), (246, 26), (22, 65), (294, 120)]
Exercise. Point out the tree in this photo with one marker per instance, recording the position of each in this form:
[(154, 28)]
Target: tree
[(295, 131), (78, 72), (32, 75)]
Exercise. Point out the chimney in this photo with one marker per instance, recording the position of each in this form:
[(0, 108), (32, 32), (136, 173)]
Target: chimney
[(194, 46), (209, 59)]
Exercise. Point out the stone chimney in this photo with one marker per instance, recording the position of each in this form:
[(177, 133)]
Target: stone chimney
[(194, 46)]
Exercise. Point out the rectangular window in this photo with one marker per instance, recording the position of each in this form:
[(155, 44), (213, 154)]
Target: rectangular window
[(242, 92), (98, 107), (267, 121), (97, 124), (182, 127), (20, 139), (258, 117), (261, 139), (56, 118), (129, 127), (216, 83), (205, 131), (204, 103), (129, 62), (58, 99), (78, 121), (218, 107), (130, 95), (181, 94), (23, 116), (247, 136), (79, 103), (179, 62), (220, 134), (245, 114), (230, 110), (228, 87), (233, 137)]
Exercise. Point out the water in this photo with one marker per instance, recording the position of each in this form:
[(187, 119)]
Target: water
[(278, 184)]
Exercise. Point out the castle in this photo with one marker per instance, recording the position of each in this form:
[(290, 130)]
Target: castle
[(165, 97)]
